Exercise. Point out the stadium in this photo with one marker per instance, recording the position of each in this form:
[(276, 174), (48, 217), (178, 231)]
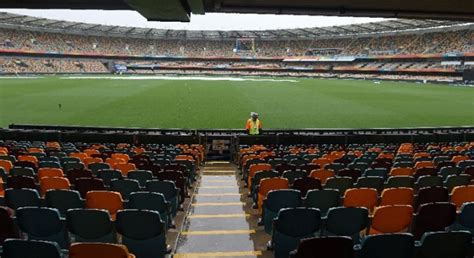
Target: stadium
[(128, 141)]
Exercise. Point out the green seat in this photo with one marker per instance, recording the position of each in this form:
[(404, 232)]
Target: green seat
[(346, 221), (370, 182), (428, 181), (322, 199), (339, 183), (400, 181), (294, 174), (454, 244), (91, 225), (457, 180), (275, 201)]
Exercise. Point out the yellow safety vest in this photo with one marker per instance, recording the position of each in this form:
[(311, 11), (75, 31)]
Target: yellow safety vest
[(254, 127)]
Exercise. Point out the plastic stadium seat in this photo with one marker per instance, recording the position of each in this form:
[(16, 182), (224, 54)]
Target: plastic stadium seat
[(324, 247), (342, 221), (322, 174), (431, 194), (322, 199), (153, 202), (75, 174), (254, 168), (399, 245), (7, 225), (178, 179), (142, 176), (448, 171), (277, 200), (6, 164), (284, 167), (99, 250), (454, 244), (259, 176), (433, 217), (292, 175), (269, 184), (20, 182), (169, 191), (28, 158), (109, 174), (51, 183), (143, 232), (361, 197), (309, 167), (63, 200), (428, 181), (84, 185), (292, 225), (402, 172), (378, 172), (91, 225), (352, 173), (125, 168), (107, 200), (453, 181), (425, 171), (465, 219), (22, 171), (40, 223), (121, 156), (50, 172), (79, 155), (305, 184), (339, 183), (49, 164), (95, 167), (322, 162), (391, 219), (72, 165), (17, 248), (125, 187), (394, 196), (373, 182), (16, 198), (461, 195)]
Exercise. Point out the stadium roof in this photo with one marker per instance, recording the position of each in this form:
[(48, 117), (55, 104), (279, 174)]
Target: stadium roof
[(24, 22), (179, 10)]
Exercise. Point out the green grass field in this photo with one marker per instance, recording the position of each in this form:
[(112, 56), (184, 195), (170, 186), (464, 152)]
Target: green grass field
[(304, 103)]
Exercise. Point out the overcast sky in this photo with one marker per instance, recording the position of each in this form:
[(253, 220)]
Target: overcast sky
[(211, 21)]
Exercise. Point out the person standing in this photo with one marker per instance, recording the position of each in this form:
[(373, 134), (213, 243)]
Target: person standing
[(254, 125)]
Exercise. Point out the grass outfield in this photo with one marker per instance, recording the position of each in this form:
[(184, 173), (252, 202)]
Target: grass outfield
[(303, 103)]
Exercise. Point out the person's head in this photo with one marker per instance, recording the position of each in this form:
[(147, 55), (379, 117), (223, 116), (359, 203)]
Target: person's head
[(254, 116)]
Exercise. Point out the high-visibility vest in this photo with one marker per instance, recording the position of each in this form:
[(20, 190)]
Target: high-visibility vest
[(254, 126)]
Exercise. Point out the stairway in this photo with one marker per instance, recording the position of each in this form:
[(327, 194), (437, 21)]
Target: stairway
[(220, 221)]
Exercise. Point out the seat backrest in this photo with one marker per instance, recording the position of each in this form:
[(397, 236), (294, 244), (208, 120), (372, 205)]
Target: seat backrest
[(322, 247), (22, 171), (50, 172), (39, 221), (323, 199), (142, 176), (98, 250), (109, 174), (167, 188), (466, 216), (63, 200), (284, 198), (7, 225), (346, 221), (292, 175), (388, 246), (361, 197), (405, 171), (84, 185), (139, 224), (348, 172), (322, 174), (148, 201), (400, 181), (462, 194), (431, 194), (125, 187), (374, 182), (17, 248), (269, 184), (74, 174), (16, 198), (401, 196), (298, 222), (20, 182), (391, 219), (428, 181), (453, 244), (434, 217), (453, 181), (305, 184), (107, 200), (339, 183), (90, 225), (51, 183)]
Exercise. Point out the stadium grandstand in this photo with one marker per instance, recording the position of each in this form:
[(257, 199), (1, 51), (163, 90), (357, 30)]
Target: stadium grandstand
[(136, 142)]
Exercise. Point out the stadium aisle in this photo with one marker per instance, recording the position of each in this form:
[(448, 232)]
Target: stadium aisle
[(221, 221)]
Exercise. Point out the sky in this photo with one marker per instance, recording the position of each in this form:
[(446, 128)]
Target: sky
[(211, 21)]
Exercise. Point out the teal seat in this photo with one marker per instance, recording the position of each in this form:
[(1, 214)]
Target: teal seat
[(277, 200), (401, 245), (346, 221), (323, 199), (18, 248), (454, 244), (91, 225)]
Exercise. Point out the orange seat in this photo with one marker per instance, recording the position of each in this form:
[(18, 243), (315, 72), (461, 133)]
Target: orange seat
[(2, 190), (421, 155), (269, 184), (49, 183), (138, 150), (6, 164), (121, 156), (114, 161), (79, 155), (322, 174), (4, 149), (87, 161), (322, 162), (50, 172), (28, 158), (424, 164), (125, 168), (90, 152), (254, 168), (107, 200), (55, 145), (459, 158), (397, 196), (35, 150), (462, 194), (361, 197), (98, 250), (391, 219), (402, 172)]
